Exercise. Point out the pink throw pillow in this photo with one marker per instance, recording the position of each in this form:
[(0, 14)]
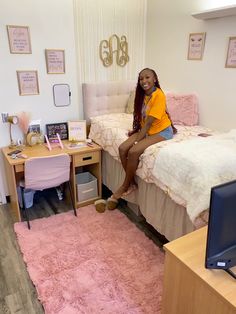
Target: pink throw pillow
[(183, 108)]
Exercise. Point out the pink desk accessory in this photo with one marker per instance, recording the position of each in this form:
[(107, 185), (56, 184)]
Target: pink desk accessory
[(57, 142)]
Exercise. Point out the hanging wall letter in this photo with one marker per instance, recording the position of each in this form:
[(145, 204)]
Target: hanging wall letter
[(114, 45)]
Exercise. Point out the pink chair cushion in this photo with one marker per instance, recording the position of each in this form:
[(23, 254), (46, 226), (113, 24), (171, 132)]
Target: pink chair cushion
[(47, 172), (183, 108)]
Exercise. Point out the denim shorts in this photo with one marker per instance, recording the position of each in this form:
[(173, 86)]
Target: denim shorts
[(167, 133)]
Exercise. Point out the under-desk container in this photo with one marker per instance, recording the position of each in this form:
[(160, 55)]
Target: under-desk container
[(87, 187), (28, 195)]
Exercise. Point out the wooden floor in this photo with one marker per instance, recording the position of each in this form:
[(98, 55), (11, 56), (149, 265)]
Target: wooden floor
[(17, 293)]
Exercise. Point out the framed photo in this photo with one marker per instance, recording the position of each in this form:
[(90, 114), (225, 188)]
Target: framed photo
[(28, 82), (53, 128), (196, 46), (19, 39), (35, 126), (231, 54), (77, 131), (55, 61)]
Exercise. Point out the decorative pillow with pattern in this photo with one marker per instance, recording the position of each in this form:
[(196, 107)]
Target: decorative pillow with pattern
[(130, 103)]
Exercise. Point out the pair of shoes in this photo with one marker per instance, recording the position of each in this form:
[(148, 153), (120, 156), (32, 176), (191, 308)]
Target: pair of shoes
[(100, 205), (112, 203)]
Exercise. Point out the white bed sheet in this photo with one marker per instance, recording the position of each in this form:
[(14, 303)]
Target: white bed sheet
[(110, 130)]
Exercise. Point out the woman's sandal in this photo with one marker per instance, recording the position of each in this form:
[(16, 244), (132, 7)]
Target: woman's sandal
[(112, 203), (100, 205)]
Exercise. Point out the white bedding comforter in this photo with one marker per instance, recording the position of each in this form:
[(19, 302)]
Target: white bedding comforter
[(110, 131), (189, 169)]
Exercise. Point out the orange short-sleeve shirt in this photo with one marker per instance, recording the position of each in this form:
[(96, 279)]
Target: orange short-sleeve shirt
[(155, 106)]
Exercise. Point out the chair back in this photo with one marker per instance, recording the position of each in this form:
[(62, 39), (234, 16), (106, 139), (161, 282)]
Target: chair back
[(47, 172)]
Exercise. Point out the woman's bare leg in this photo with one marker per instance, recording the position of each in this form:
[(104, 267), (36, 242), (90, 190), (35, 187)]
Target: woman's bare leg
[(123, 152), (125, 147), (132, 161)]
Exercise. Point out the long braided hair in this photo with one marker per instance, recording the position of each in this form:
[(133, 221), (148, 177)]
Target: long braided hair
[(138, 103)]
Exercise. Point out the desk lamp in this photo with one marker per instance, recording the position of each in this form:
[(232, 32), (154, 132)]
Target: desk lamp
[(11, 120)]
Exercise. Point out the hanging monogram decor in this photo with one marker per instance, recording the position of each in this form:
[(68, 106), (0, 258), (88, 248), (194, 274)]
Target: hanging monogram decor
[(114, 45)]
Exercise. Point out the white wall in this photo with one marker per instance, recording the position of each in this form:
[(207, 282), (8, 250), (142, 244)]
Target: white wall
[(51, 24), (77, 26), (168, 26)]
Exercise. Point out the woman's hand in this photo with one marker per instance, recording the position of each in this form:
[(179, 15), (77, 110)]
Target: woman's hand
[(131, 132), (174, 128)]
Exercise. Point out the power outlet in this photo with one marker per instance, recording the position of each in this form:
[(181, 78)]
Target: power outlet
[(4, 116)]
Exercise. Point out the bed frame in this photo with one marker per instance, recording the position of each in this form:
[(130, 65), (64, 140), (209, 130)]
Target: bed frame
[(159, 210)]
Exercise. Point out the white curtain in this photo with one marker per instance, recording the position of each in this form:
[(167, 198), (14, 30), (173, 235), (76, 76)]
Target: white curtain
[(98, 20)]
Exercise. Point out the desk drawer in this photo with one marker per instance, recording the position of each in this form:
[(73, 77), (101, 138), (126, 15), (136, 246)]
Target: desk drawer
[(86, 158), (19, 168)]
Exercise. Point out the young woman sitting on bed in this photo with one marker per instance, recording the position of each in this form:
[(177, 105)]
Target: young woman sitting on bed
[(151, 125)]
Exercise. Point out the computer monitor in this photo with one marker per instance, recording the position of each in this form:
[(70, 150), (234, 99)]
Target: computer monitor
[(221, 235)]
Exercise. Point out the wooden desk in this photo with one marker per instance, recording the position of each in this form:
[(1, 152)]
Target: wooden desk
[(190, 288), (87, 157)]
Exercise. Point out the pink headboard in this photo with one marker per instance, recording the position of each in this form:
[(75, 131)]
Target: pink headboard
[(112, 97), (106, 97)]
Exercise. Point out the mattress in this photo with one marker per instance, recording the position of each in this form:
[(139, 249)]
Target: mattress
[(110, 130), (159, 210)]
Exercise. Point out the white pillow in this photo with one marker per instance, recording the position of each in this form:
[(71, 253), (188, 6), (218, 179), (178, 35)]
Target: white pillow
[(130, 103)]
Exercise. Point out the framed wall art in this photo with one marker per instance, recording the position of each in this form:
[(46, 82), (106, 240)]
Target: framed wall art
[(196, 46), (231, 54), (55, 61), (19, 39), (28, 82)]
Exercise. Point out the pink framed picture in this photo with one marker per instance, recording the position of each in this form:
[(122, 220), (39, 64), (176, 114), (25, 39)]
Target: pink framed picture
[(231, 54), (19, 39), (196, 46), (28, 82), (55, 61)]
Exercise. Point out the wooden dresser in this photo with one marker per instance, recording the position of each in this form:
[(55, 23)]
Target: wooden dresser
[(190, 288)]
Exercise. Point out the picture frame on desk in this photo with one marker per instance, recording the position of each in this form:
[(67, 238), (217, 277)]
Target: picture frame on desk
[(77, 131), (53, 129)]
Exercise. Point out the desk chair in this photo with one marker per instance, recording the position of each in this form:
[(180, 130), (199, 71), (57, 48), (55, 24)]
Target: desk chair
[(44, 173)]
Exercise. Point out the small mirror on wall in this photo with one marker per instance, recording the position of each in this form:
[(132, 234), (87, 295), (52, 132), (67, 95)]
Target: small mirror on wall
[(61, 95)]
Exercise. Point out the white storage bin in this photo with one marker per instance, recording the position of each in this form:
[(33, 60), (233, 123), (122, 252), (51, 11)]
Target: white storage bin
[(87, 187)]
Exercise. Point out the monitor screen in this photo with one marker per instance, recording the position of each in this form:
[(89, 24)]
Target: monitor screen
[(221, 236)]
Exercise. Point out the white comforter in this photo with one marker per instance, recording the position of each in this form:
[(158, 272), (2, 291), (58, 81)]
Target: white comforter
[(110, 131), (189, 169)]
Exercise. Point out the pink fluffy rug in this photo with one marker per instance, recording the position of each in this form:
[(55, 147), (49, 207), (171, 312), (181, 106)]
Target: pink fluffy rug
[(93, 263)]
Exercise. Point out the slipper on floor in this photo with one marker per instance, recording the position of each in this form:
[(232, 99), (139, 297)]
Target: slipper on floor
[(112, 203), (100, 205)]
